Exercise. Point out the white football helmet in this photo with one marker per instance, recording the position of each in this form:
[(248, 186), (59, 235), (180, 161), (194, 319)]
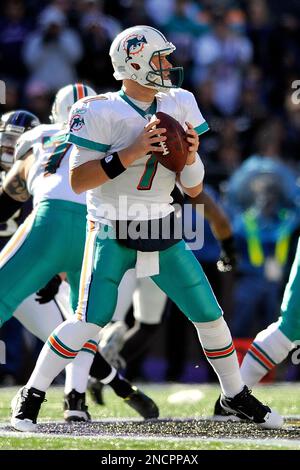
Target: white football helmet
[(64, 100), (132, 52)]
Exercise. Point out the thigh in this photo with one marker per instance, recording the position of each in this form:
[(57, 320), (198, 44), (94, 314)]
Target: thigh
[(290, 307), (39, 319), (149, 302), (27, 263), (125, 295), (104, 265), (182, 278)]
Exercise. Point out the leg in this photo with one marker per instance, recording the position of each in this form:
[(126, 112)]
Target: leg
[(182, 278), (97, 299), (40, 320), (24, 268), (149, 302), (271, 346)]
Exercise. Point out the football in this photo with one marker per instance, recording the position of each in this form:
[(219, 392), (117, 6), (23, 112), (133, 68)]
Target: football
[(175, 147)]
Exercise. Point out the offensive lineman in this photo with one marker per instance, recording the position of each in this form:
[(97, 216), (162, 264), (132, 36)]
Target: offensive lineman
[(113, 137)]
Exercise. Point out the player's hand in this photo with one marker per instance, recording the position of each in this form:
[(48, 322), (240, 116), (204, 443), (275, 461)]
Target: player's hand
[(147, 142), (49, 291), (228, 256), (193, 139)]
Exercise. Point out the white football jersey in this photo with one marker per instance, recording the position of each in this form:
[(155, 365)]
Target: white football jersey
[(48, 177), (111, 122)]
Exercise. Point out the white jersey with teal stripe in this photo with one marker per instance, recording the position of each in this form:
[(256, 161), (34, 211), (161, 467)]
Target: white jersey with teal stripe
[(48, 177), (111, 122)]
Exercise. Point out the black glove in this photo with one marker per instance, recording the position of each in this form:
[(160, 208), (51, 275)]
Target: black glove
[(228, 256), (50, 290)]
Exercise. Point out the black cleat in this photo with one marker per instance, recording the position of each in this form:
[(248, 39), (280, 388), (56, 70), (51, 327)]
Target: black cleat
[(248, 407), (221, 415), (75, 408), (25, 408), (95, 388), (144, 405)]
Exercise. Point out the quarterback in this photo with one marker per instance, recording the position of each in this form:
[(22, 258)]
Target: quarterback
[(114, 135)]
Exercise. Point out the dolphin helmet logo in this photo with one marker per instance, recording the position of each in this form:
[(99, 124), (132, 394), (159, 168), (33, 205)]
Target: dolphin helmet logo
[(133, 45)]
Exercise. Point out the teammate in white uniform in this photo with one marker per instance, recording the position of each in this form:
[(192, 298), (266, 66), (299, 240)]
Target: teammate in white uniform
[(113, 138)]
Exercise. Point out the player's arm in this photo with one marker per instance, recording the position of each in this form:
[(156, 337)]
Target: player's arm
[(14, 190), (192, 175), (94, 173)]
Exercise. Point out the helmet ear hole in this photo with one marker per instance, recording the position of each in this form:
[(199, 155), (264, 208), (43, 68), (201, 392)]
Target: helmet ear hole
[(136, 66)]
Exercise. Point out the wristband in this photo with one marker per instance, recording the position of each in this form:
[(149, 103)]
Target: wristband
[(193, 174), (112, 165)]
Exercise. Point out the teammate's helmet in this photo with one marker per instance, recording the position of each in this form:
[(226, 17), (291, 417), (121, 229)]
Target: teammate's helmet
[(65, 98), (132, 52), (12, 125)]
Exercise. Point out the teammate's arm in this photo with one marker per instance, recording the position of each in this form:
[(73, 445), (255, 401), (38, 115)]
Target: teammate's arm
[(14, 191), (93, 173), (14, 184)]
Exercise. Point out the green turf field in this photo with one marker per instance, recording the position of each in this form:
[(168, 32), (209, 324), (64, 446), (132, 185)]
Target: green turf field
[(181, 435)]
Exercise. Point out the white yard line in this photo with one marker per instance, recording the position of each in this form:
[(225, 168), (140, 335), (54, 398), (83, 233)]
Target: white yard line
[(251, 441), (266, 442)]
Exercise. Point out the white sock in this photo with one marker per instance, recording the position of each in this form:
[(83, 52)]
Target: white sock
[(269, 348), (216, 341), (77, 371), (61, 348)]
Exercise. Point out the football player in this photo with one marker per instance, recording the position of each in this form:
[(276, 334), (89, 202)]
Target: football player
[(114, 137), (272, 345), (120, 345), (51, 240)]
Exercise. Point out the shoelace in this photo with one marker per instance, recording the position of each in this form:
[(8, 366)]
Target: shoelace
[(29, 408), (256, 407)]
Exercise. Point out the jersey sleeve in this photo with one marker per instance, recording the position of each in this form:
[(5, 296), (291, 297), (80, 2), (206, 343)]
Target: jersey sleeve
[(193, 115), (25, 143), (89, 127)]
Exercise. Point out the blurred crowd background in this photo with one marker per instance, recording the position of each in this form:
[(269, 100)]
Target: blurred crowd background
[(242, 62)]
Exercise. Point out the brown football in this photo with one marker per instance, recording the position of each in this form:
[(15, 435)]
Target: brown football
[(175, 147)]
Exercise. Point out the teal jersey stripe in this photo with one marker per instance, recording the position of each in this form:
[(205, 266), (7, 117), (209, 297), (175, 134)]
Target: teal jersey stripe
[(92, 342), (89, 144), (204, 127), (264, 353), (150, 111)]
